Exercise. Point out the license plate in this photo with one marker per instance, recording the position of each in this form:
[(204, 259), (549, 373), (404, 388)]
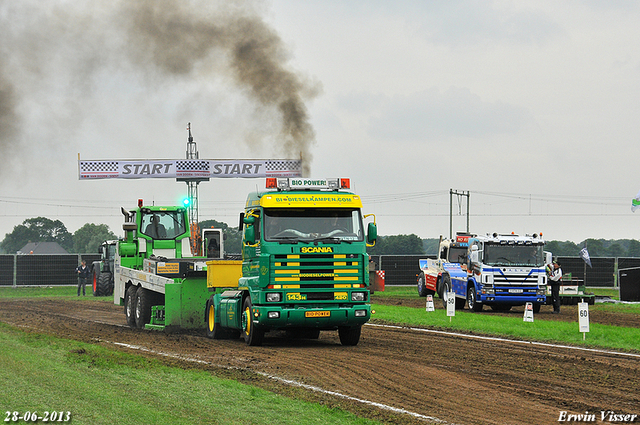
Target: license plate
[(317, 313), (515, 291)]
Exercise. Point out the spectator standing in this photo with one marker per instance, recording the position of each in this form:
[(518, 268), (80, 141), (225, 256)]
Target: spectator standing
[(555, 276), (83, 276)]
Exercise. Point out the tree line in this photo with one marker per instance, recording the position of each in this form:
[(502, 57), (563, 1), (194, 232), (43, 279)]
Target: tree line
[(413, 245), (87, 239), (41, 229)]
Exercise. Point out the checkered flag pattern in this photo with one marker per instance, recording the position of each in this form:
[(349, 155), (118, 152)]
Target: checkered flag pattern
[(192, 165), (286, 167), (98, 166)]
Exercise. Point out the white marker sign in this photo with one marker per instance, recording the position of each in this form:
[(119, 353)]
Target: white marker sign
[(450, 296), (430, 306), (528, 312), (583, 317)]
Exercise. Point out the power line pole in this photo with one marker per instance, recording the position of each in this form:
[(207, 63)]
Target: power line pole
[(459, 194), (192, 185)]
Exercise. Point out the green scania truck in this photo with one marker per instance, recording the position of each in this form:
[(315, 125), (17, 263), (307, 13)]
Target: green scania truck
[(304, 267)]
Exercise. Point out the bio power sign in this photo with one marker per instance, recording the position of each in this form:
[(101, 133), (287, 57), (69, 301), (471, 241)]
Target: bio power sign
[(188, 168)]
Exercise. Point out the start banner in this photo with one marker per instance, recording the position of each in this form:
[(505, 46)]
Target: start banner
[(189, 168)]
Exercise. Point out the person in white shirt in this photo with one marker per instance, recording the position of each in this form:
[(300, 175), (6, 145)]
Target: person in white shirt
[(555, 276)]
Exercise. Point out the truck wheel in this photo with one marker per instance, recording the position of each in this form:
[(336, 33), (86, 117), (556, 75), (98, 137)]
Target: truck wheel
[(422, 286), (94, 281), (251, 333), (349, 335), (110, 285), (143, 307), (102, 285), (471, 299), (439, 288), (129, 305), (536, 308), (213, 326), (446, 287)]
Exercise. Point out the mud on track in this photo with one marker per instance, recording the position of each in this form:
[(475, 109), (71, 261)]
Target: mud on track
[(430, 375)]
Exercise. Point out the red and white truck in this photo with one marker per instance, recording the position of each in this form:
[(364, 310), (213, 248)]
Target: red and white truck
[(432, 271)]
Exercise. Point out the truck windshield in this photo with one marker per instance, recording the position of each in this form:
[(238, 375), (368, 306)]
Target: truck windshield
[(513, 255), (296, 224), (457, 255), (163, 224), (112, 250)]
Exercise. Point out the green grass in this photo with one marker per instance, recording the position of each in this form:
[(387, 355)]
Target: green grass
[(412, 292), (98, 385), (614, 293), (601, 336), (50, 291)]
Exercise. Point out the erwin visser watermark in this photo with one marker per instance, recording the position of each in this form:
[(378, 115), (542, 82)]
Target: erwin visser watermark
[(606, 416)]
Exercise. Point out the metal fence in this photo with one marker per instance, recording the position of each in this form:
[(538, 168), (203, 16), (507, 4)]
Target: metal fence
[(23, 270), (399, 269), (404, 269), (26, 270)]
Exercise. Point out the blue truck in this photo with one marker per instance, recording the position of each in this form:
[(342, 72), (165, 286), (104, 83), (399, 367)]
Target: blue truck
[(502, 271)]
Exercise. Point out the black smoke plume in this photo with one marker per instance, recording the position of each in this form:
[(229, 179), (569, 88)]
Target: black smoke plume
[(164, 39)]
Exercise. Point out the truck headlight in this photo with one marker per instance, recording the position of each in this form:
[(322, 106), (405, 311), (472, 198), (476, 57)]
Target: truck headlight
[(273, 315), (274, 297), (358, 296), (541, 290), (361, 313)]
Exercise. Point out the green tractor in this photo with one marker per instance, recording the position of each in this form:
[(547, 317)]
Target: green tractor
[(102, 271)]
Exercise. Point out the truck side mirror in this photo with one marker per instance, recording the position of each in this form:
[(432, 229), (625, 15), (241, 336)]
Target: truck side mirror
[(250, 235), (372, 233), (241, 225), (250, 231), (473, 255)]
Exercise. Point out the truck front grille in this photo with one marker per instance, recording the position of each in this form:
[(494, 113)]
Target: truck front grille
[(317, 270)]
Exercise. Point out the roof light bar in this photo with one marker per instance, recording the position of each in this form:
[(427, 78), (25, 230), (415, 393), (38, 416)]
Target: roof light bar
[(307, 184)]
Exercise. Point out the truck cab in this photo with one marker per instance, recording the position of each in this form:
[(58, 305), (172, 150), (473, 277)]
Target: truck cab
[(304, 263), (504, 270), (452, 254), (157, 279), (213, 243)]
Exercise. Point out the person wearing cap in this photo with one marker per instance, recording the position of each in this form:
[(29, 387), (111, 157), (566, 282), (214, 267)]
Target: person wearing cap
[(555, 276)]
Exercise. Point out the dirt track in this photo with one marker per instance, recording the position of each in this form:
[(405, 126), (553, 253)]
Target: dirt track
[(433, 377)]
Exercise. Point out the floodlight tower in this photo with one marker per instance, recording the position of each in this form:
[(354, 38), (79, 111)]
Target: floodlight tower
[(192, 197)]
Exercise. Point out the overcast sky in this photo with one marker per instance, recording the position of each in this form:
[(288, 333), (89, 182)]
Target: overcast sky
[(530, 106)]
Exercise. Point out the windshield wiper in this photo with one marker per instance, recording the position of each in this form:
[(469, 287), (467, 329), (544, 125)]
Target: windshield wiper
[(286, 239), (331, 239)]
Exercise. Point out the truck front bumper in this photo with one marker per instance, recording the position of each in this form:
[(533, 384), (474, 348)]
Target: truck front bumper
[(321, 317), (511, 299)]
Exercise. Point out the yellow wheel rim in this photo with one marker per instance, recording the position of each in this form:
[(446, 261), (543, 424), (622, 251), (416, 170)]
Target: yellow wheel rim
[(212, 318), (247, 313)]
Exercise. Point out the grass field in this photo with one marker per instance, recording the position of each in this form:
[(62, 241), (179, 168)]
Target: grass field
[(412, 292), (600, 336), (96, 385)]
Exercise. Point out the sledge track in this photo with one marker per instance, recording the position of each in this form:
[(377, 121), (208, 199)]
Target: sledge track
[(426, 376)]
